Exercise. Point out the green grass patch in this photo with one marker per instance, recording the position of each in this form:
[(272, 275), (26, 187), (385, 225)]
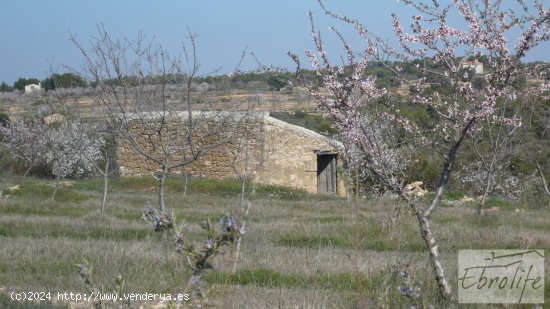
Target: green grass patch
[(228, 186), (94, 184), (28, 207), (270, 278), (292, 240), (39, 269), (498, 202), (81, 232), (128, 214), (453, 195), (382, 245), (283, 193), (371, 243), (173, 184), (329, 220), (223, 187), (483, 221), (232, 186), (120, 183), (259, 277), (33, 189)]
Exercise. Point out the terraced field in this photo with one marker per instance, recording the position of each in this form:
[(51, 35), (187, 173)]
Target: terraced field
[(299, 250)]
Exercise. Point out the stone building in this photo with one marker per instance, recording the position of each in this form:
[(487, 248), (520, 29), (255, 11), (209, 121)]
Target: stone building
[(474, 65), (271, 151)]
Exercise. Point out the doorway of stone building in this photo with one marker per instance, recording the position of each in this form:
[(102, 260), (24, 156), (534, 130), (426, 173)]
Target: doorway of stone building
[(326, 173)]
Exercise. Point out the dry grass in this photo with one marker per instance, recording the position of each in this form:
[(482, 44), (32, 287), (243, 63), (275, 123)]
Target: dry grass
[(300, 251)]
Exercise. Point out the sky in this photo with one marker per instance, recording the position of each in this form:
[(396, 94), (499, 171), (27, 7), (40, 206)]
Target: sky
[(34, 36)]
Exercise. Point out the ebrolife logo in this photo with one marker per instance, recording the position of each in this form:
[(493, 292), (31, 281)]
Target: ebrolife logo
[(501, 276)]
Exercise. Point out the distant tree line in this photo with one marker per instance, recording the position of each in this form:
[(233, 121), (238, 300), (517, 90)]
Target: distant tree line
[(278, 80), (65, 80)]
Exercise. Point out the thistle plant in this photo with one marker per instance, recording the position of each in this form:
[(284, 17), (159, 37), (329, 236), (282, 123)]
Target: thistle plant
[(100, 297), (407, 288), (198, 254), (161, 221)]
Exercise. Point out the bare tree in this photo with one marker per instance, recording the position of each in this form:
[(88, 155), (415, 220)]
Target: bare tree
[(107, 166), (538, 123), (147, 95), (494, 146), (248, 158)]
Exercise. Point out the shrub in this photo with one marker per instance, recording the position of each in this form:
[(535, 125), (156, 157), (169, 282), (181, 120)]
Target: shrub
[(4, 119), (299, 114), (533, 195), (426, 169)]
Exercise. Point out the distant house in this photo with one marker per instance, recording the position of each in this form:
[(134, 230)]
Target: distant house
[(33, 88), (473, 65)]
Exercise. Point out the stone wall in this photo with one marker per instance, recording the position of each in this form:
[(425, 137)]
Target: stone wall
[(273, 151), (292, 156)]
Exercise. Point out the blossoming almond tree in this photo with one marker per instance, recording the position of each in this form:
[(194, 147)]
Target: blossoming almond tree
[(381, 140), (68, 148), (20, 138)]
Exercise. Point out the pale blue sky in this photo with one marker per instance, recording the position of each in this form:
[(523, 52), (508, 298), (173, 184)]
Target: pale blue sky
[(34, 33)]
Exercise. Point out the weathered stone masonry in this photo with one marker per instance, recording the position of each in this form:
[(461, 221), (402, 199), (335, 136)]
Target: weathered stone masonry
[(278, 153)]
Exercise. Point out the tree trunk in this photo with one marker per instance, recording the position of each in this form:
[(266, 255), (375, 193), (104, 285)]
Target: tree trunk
[(27, 171), (161, 180), (185, 182), (56, 188), (481, 208), (424, 217), (234, 270), (105, 187), (243, 191), (543, 178), (431, 244), (241, 201)]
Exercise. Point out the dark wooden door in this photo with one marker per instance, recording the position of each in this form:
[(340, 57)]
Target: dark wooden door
[(326, 173)]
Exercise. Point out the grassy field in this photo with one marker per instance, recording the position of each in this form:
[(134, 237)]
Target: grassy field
[(299, 251)]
